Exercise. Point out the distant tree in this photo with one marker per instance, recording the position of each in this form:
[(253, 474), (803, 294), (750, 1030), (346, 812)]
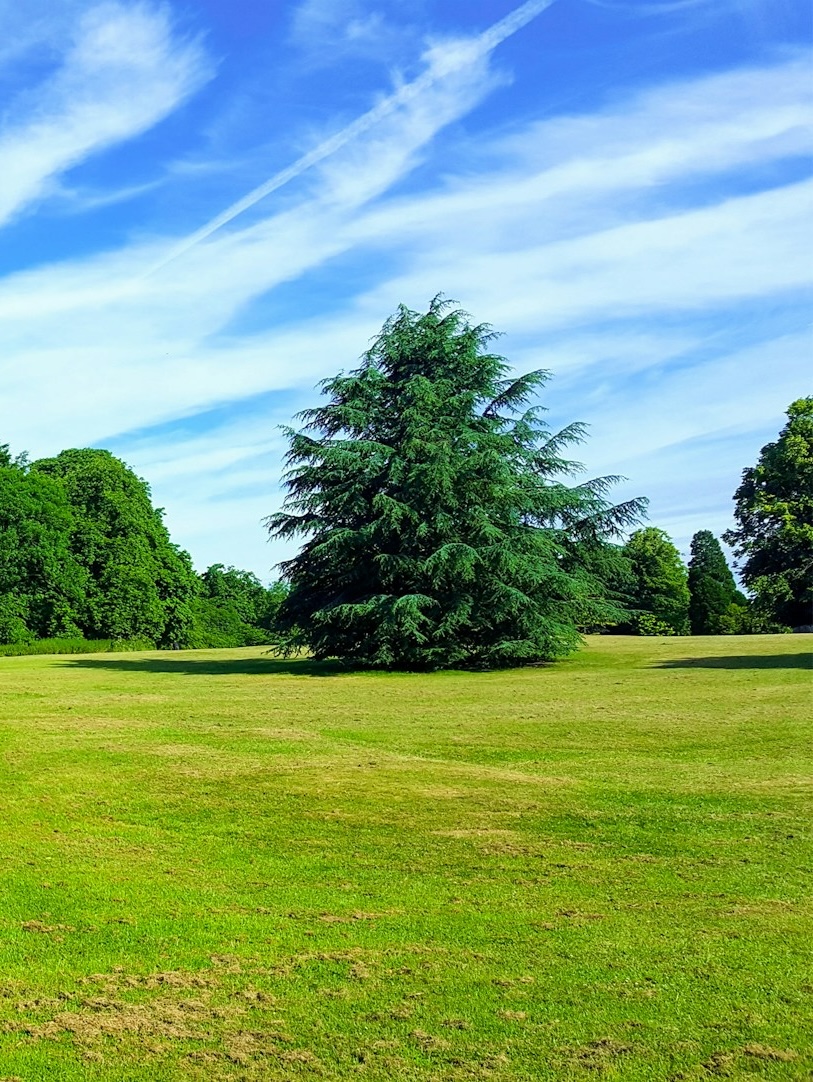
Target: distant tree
[(19, 461), (661, 587), (438, 530), (234, 608), (139, 584), (217, 624), (242, 588), (275, 595), (712, 590), (41, 583), (773, 539)]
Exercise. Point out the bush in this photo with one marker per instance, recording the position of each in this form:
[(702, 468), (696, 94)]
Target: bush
[(13, 629), (646, 623), (74, 646), (218, 624)]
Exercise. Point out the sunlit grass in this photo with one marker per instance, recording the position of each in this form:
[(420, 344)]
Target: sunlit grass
[(216, 865)]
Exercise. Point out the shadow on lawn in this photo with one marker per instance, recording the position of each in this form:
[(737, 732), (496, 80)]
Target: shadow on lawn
[(742, 661), (184, 664)]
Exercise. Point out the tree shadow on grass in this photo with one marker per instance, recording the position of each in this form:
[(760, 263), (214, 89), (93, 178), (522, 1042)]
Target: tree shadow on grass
[(184, 664), (742, 661)]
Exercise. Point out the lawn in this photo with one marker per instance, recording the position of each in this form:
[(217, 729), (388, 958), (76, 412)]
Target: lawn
[(217, 865)]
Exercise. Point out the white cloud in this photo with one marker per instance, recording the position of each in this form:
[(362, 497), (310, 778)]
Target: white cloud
[(122, 73), (327, 31), (104, 323), (717, 397), (567, 224), (740, 248), (455, 76)]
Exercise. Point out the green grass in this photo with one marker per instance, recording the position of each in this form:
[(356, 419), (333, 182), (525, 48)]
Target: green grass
[(217, 865)]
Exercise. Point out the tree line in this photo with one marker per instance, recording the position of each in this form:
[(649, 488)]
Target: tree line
[(441, 524), (665, 597), (85, 555)]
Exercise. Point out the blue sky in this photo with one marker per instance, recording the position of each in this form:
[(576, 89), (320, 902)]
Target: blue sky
[(206, 208)]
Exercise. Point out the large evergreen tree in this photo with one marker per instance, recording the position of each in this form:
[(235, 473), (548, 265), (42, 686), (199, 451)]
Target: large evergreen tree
[(608, 563), (773, 538), (661, 587), (438, 528), (712, 590)]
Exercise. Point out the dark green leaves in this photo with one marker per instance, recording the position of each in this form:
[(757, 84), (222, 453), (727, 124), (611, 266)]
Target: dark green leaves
[(711, 587), (437, 529), (774, 512)]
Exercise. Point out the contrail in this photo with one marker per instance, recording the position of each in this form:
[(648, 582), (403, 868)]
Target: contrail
[(479, 47)]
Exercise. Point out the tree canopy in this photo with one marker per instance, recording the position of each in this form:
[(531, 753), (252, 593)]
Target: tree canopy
[(661, 588), (439, 526), (233, 608), (139, 584), (712, 590), (773, 538), (41, 582), (84, 554)]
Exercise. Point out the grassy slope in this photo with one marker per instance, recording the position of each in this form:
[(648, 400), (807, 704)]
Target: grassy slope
[(218, 866)]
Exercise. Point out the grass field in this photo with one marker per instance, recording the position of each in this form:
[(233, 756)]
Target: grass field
[(216, 865)]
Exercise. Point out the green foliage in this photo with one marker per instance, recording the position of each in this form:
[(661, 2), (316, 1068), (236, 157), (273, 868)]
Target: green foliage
[(712, 590), (73, 646), (85, 558), (13, 626), (256, 605), (137, 583), (274, 597), (736, 620), (661, 587), (774, 512), (215, 625), (647, 623), (7, 460), (609, 565), (234, 609), (438, 529), (218, 625), (41, 582)]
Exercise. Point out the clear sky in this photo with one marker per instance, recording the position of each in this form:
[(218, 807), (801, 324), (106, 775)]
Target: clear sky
[(207, 207)]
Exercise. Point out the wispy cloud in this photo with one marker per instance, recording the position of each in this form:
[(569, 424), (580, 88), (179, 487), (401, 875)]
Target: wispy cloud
[(123, 71), (620, 247), (655, 7), (34, 26), (97, 319), (516, 269), (445, 61), (328, 32)]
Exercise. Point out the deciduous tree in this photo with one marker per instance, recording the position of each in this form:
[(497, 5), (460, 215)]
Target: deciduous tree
[(139, 584), (41, 583), (773, 539), (661, 588), (234, 608)]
